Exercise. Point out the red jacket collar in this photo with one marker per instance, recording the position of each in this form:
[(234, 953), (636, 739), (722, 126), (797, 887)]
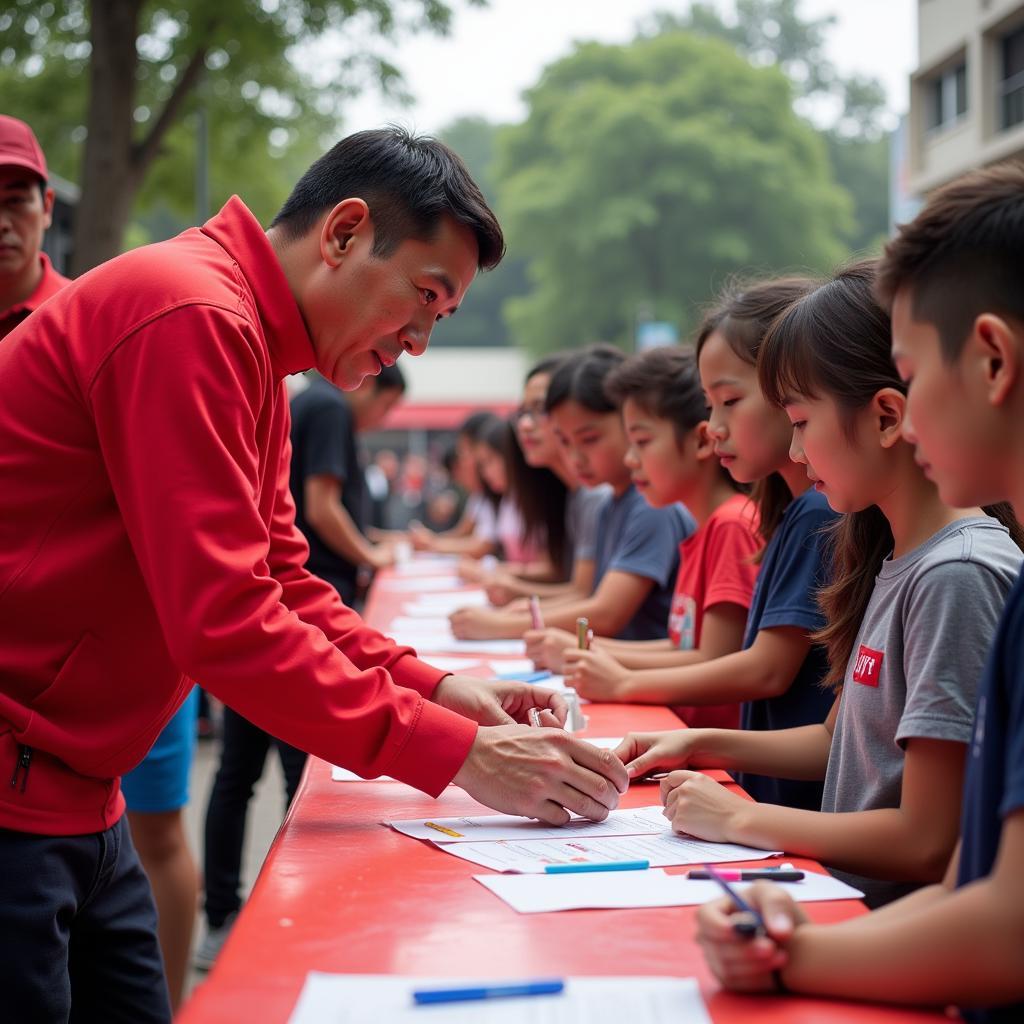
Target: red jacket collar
[(237, 230)]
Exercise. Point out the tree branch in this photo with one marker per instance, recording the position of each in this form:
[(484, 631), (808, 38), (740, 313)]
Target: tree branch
[(144, 151)]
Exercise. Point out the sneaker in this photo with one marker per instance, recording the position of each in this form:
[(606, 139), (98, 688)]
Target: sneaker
[(209, 949)]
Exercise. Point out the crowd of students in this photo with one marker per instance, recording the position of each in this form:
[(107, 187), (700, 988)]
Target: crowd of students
[(803, 540)]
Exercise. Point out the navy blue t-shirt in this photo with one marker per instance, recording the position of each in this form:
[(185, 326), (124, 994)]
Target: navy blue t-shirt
[(792, 571), (324, 444), (994, 782), (635, 538)]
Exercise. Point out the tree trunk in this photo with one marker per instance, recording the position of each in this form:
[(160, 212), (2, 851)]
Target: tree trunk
[(110, 175)]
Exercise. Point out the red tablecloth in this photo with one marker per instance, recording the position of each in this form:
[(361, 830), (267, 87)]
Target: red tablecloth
[(340, 892)]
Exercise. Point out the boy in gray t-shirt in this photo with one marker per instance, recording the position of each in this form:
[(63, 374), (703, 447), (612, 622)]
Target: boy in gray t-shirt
[(913, 675)]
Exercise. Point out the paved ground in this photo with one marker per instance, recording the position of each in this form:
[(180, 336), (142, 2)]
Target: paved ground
[(265, 814)]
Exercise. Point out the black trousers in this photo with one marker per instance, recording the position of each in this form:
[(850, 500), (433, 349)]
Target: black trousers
[(78, 931), (242, 759)]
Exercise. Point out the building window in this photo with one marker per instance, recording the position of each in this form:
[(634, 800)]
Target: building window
[(946, 98), (1012, 82)]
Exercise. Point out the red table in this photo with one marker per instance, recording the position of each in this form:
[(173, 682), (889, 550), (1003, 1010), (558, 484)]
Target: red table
[(339, 892)]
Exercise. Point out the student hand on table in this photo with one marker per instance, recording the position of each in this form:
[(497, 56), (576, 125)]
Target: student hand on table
[(478, 624), (498, 587), (542, 773), (498, 701), (701, 807), (420, 537), (547, 646), (743, 964), (471, 569), (595, 674), (646, 752)]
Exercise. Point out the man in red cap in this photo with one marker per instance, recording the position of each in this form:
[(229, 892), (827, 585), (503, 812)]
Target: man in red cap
[(27, 278)]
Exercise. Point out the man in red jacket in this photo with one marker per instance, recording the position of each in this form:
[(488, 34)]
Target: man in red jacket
[(27, 277), (147, 539)]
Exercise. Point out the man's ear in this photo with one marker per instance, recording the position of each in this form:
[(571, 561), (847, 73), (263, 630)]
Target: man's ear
[(997, 348), (345, 227), (889, 407)]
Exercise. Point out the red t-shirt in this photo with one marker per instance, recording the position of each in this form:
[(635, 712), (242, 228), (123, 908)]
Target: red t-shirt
[(715, 566), (49, 284)]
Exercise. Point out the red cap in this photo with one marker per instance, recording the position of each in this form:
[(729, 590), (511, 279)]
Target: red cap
[(19, 148)]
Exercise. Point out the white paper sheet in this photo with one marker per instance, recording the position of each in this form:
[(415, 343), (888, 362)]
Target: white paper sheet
[(491, 827), (387, 999), (460, 665), (536, 894), (423, 641), (339, 774), (410, 624), (512, 665), (665, 849), (427, 565), (428, 606), (425, 584)]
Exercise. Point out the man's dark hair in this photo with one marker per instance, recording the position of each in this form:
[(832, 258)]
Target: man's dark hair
[(390, 378), (961, 256), (408, 182), (475, 423)]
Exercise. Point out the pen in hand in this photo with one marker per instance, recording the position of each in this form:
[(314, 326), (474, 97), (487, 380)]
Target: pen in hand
[(748, 928)]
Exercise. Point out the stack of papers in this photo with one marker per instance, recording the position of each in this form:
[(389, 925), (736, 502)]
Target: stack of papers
[(537, 894), (426, 565), (504, 842), (429, 605), (387, 999), (443, 640)]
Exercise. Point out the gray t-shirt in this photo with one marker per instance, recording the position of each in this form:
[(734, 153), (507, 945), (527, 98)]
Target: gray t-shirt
[(581, 512), (916, 666)]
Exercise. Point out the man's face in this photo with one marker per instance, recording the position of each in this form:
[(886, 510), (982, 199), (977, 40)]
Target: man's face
[(363, 312), (24, 217), (948, 420)]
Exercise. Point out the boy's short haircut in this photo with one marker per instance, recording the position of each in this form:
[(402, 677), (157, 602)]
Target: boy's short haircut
[(665, 383), (408, 182), (580, 378), (962, 255)]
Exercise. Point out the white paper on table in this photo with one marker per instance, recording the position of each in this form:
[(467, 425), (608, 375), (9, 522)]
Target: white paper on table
[(604, 742), (524, 665), (425, 584), (430, 605), (536, 894), (492, 827), (387, 999), (440, 642), (663, 850), (427, 565), (410, 624)]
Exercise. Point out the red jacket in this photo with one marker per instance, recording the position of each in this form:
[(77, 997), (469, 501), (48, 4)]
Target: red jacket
[(147, 539)]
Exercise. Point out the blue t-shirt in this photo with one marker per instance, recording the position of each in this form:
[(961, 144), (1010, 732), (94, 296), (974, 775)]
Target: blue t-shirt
[(633, 537), (792, 571), (994, 783)]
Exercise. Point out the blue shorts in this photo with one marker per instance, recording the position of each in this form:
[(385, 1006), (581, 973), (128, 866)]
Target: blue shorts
[(160, 782)]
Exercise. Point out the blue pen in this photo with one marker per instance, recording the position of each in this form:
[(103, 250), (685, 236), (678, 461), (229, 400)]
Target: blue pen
[(747, 928), (552, 987), (608, 865)]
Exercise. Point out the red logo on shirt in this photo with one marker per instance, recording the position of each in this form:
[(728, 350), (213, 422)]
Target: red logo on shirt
[(868, 666)]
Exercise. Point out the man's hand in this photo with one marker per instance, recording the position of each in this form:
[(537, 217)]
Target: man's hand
[(542, 773), (700, 807), (595, 674), (497, 701), (646, 752), (547, 647), (740, 963)]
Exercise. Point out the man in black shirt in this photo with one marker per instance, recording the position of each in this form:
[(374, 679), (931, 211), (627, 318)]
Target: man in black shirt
[(327, 482)]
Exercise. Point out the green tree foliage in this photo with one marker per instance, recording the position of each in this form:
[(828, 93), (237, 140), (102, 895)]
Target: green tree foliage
[(111, 86), (773, 32), (646, 174), (479, 320)]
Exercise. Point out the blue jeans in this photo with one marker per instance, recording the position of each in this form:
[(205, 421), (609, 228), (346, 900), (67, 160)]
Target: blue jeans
[(78, 931)]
